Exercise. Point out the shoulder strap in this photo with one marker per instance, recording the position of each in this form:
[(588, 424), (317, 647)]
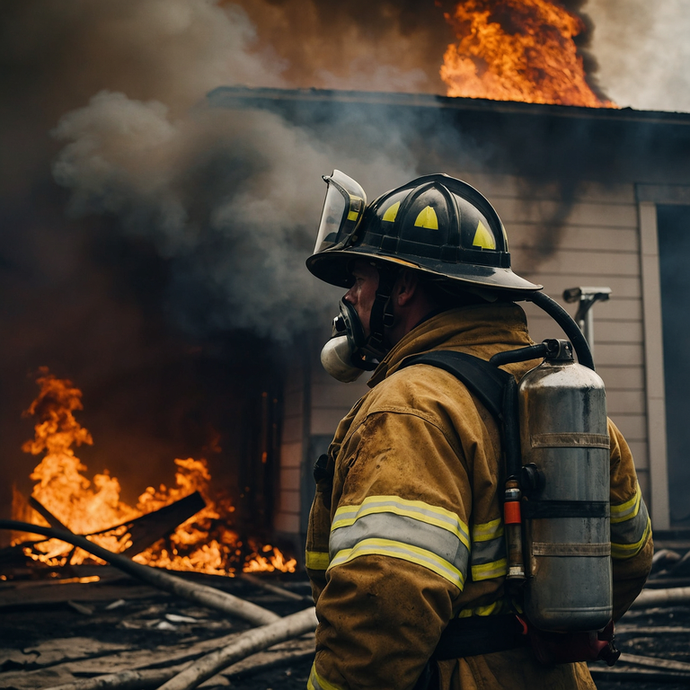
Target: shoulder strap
[(495, 388), (486, 381)]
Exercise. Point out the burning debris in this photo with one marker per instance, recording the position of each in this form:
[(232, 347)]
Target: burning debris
[(205, 542)]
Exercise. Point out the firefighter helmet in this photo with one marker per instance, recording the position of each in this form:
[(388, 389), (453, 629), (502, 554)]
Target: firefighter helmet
[(435, 224)]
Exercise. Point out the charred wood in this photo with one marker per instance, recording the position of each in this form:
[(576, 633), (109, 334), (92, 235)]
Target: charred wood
[(274, 589), (145, 530), (200, 594)]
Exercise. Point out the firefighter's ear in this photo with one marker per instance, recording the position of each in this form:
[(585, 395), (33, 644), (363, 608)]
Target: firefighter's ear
[(405, 287)]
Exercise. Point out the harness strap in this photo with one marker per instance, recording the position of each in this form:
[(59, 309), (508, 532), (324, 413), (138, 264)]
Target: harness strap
[(480, 635)]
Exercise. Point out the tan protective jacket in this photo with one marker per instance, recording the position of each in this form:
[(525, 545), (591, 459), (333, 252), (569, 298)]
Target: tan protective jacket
[(409, 533)]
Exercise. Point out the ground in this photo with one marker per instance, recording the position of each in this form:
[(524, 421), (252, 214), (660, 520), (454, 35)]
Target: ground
[(54, 632)]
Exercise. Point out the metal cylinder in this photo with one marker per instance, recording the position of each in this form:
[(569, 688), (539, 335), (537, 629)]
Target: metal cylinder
[(565, 454)]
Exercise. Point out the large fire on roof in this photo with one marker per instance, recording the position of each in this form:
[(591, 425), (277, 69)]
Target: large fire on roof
[(517, 50)]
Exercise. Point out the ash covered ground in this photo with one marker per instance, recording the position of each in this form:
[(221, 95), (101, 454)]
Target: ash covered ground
[(52, 633)]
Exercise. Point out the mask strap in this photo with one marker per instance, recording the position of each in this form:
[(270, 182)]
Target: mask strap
[(381, 312)]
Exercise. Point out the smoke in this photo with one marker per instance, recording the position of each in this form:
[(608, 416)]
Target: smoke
[(229, 198), (643, 52), (381, 45)]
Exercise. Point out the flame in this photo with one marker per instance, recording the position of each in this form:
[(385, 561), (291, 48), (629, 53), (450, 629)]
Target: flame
[(204, 543), (517, 50)]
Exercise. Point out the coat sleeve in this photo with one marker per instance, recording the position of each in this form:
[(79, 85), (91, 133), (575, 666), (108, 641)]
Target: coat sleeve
[(399, 551), (631, 531)]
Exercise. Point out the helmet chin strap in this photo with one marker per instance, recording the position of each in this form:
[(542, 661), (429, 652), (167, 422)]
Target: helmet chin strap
[(381, 312)]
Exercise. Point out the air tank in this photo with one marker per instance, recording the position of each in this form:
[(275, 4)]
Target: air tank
[(565, 478)]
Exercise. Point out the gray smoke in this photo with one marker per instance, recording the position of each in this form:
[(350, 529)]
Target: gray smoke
[(643, 52), (230, 198)]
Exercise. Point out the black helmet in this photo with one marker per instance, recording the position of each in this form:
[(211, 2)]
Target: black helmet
[(435, 224)]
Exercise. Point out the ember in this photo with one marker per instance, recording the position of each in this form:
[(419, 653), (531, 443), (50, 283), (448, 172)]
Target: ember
[(203, 543), (517, 50)]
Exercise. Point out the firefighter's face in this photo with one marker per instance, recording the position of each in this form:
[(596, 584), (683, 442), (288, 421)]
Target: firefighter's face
[(362, 294)]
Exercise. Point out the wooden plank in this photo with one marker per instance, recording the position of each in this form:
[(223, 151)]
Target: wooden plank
[(640, 453), (605, 330), (289, 479), (292, 429), (623, 354), (50, 592), (581, 263), (545, 211), (622, 377), (585, 238), (632, 426), (625, 402), (623, 287), (492, 185), (291, 454)]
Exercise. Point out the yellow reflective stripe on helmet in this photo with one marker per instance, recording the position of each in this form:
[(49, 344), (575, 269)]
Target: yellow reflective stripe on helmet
[(405, 552), (417, 510), (487, 571), (427, 219), (627, 510), (316, 682), (487, 530), (391, 213), (316, 560), (483, 237), (623, 551)]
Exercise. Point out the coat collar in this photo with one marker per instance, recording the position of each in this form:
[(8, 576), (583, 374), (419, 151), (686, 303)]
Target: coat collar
[(480, 330)]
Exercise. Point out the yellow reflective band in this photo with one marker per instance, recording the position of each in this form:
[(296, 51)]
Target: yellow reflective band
[(391, 213), (488, 571), (417, 510), (353, 215), (483, 237), (316, 560), (405, 552), (488, 610), (427, 219), (623, 551), (628, 510), (316, 682), (488, 530)]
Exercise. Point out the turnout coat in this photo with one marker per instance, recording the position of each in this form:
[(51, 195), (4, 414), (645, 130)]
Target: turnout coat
[(405, 530)]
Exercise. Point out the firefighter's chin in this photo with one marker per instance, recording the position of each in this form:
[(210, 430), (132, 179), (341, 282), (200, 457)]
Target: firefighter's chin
[(336, 358)]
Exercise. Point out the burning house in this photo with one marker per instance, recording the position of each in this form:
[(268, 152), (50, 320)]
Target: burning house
[(185, 314), (161, 389)]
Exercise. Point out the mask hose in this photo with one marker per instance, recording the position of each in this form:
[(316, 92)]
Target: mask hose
[(566, 322)]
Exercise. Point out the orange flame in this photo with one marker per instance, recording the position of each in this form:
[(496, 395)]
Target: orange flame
[(517, 50), (204, 543)]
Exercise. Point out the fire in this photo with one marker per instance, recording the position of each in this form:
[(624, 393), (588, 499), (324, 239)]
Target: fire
[(517, 50), (204, 543)]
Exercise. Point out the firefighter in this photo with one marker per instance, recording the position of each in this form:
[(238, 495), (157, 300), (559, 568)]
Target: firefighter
[(405, 531)]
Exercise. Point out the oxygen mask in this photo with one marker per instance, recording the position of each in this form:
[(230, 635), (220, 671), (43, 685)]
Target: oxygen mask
[(344, 356)]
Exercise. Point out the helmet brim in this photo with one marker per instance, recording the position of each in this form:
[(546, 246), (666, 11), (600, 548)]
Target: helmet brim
[(335, 268)]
